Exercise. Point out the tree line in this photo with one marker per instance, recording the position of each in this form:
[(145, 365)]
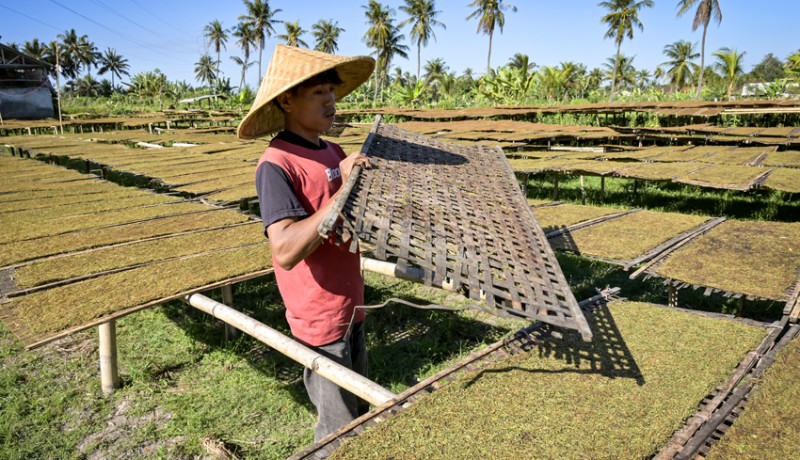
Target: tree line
[(518, 81)]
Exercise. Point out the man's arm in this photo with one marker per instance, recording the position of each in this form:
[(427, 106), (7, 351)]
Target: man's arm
[(293, 239)]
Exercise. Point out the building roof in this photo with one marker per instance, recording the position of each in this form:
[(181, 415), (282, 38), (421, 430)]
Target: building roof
[(11, 58)]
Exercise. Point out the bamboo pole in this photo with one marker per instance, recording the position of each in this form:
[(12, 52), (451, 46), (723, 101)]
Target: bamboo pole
[(109, 378), (346, 378), (391, 269)]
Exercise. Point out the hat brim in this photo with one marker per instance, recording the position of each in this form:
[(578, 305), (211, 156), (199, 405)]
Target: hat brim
[(265, 118)]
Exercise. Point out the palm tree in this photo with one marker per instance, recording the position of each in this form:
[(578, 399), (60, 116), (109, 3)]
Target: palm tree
[(792, 65), (244, 65), (216, 35), (422, 17), (705, 10), (521, 61), (86, 86), (205, 70), (620, 71), (69, 50), (151, 84), (490, 15), (622, 17), (326, 36), (680, 68), (112, 62), (380, 24), (729, 64), (391, 47), (292, 35), (87, 54), (260, 16), (642, 78), (245, 38), (35, 49)]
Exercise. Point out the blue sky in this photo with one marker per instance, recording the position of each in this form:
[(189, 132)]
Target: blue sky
[(168, 34)]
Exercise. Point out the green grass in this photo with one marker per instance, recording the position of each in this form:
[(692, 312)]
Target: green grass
[(620, 396), (181, 381), (671, 197), (768, 429)]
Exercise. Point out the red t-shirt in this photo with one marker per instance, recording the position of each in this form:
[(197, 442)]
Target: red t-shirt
[(322, 291)]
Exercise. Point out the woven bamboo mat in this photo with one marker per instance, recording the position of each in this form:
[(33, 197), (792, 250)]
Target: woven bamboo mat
[(456, 213)]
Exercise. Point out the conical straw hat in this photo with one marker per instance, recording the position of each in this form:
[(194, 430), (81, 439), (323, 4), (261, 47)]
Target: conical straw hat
[(289, 67)]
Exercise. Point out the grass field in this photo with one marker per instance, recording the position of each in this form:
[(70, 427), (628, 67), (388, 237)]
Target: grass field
[(182, 382), (185, 388)]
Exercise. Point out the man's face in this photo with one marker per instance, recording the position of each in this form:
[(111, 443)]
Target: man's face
[(312, 108)]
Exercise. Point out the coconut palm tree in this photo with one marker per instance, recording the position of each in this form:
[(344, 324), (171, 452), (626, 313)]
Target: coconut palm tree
[(68, 52), (643, 79), (261, 19), (246, 39), (393, 46), (620, 71), (244, 65), (205, 70), (792, 65), (729, 64), (379, 21), (35, 49), (292, 35), (434, 69), (112, 62), (86, 86), (422, 17), (679, 68), (87, 54), (326, 35), (490, 15), (216, 35), (705, 10), (623, 16), (521, 61)]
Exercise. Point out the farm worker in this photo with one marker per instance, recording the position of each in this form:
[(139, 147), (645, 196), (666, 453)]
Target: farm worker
[(298, 179)]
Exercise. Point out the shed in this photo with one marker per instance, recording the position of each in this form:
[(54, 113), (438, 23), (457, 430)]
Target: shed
[(25, 89)]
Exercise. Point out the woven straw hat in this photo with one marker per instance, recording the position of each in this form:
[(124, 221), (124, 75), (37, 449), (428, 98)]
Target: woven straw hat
[(289, 67)]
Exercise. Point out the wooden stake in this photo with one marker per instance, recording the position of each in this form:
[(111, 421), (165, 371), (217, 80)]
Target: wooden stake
[(673, 296), (227, 298), (583, 191), (109, 378), (346, 378), (555, 186), (602, 189)]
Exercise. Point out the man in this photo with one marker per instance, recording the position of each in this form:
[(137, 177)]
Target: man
[(298, 179)]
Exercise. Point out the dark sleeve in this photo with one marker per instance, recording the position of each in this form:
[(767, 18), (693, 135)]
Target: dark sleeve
[(276, 197)]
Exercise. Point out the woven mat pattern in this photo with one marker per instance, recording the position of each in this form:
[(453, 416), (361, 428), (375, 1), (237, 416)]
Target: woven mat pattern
[(455, 212)]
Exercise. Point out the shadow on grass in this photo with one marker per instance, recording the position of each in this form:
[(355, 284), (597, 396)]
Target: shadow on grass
[(666, 196), (260, 300), (403, 342), (606, 354), (406, 344)]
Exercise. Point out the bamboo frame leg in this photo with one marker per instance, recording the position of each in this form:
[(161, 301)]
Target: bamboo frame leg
[(583, 191), (227, 298), (555, 187), (740, 307), (109, 378), (602, 189), (673, 296)]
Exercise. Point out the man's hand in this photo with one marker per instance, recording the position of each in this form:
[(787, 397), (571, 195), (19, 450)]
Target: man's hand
[(352, 160)]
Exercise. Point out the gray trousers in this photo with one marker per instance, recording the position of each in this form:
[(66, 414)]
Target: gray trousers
[(335, 406)]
